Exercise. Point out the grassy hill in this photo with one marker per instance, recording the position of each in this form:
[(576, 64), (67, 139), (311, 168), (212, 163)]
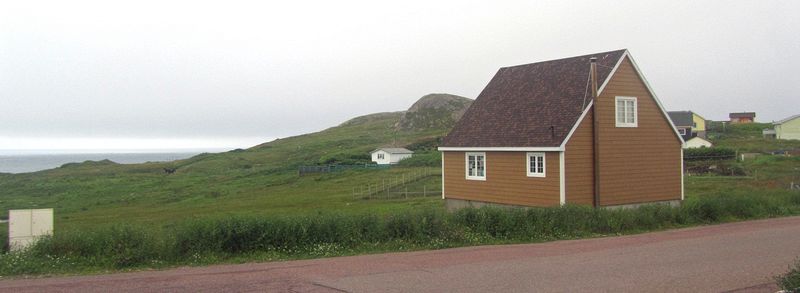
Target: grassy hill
[(259, 180), (748, 138)]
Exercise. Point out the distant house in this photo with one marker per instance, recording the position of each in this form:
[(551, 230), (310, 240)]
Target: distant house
[(688, 123), (541, 135), (742, 117), (788, 128), (390, 155), (697, 142), (769, 133)]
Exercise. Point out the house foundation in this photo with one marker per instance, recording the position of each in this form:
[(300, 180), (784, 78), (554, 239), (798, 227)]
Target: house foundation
[(454, 204)]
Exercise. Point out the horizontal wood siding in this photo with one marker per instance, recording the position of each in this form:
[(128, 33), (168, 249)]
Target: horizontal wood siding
[(579, 164), (506, 180), (638, 164)]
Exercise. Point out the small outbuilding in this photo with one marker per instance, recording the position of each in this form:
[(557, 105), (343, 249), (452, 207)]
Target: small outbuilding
[(697, 142), (384, 156), (788, 128)]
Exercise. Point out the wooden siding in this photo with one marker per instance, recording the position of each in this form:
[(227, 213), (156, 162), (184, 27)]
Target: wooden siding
[(579, 164), (506, 180), (637, 164)]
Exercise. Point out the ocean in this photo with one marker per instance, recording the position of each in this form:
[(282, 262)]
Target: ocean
[(32, 162)]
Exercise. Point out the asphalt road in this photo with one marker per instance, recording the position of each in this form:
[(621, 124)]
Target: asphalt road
[(739, 257)]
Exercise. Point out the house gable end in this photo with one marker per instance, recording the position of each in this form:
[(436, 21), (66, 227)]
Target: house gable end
[(627, 57)]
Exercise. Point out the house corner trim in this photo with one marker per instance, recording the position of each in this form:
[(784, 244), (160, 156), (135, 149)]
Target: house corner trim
[(562, 179)]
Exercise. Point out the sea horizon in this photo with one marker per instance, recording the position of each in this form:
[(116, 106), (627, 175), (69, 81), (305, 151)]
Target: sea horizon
[(26, 161)]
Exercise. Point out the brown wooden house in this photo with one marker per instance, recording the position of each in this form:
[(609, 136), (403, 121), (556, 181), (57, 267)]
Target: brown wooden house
[(545, 134), (742, 117)]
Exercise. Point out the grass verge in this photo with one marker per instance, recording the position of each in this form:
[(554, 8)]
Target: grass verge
[(262, 238), (790, 282)]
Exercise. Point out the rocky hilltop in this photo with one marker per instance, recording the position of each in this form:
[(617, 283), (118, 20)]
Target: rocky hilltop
[(434, 111)]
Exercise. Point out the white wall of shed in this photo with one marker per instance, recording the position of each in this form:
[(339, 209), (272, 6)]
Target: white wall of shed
[(25, 226)]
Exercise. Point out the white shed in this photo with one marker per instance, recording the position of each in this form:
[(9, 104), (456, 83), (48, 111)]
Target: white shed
[(697, 142), (26, 227), (384, 156)]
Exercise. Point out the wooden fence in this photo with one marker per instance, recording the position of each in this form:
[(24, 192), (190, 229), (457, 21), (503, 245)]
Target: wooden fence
[(400, 186)]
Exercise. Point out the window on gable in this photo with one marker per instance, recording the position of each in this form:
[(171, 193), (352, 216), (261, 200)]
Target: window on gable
[(626, 112), (536, 165), (476, 166), (380, 156)]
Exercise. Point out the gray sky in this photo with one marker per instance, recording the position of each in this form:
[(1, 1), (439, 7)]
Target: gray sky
[(150, 74)]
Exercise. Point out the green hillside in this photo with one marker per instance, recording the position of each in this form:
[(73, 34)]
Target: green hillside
[(259, 180), (748, 138)]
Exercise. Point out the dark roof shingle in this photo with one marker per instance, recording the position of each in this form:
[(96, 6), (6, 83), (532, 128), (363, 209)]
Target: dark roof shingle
[(681, 118), (742, 115), (531, 105)]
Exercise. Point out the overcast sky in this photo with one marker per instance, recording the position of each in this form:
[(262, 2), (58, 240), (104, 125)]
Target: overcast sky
[(162, 74)]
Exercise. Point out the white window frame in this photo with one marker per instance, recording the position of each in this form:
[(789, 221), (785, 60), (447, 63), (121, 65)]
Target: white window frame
[(543, 156), (624, 123), (466, 166), (682, 131), (381, 156)]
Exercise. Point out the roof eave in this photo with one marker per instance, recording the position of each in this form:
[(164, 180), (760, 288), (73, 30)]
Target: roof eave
[(501, 149)]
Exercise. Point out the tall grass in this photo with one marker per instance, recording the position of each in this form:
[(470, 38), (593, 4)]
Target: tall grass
[(218, 239), (790, 281)]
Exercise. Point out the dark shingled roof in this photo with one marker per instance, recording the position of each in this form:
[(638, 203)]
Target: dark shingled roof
[(531, 105), (681, 118), (742, 115)]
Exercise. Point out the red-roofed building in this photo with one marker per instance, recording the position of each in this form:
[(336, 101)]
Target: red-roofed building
[(531, 138), (742, 117)]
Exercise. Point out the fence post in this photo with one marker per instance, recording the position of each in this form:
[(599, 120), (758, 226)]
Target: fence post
[(406, 192), (424, 191)]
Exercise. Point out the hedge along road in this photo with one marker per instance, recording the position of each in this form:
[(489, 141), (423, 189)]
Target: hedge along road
[(740, 256)]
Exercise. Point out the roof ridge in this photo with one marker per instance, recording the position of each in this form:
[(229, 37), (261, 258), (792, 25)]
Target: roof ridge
[(787, 119), (560, 59)]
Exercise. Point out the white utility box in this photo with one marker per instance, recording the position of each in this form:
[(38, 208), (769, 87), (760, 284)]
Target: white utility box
[(26, 226)]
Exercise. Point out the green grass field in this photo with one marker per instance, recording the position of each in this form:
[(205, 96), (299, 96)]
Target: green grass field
[(263, 182), (259, 181)]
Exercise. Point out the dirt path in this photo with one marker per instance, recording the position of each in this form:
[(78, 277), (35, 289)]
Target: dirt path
[(739, 257)]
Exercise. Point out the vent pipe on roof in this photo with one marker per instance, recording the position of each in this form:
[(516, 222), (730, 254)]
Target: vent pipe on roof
[(595, 129), (593, 75)]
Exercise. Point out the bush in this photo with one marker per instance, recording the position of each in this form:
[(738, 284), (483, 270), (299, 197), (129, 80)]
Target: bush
[(791, 280), (119, 245), (712, 153), (346, 158), (425, 145)]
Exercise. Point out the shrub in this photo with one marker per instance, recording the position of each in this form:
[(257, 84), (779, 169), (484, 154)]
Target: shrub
[(120, 245), (346, 158), (712, 153), (791, 280)]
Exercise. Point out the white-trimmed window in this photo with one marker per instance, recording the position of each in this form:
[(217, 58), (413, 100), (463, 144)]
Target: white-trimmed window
[(536, 164), (380, 156), (626, 112), (476, 166), (682, 131)]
